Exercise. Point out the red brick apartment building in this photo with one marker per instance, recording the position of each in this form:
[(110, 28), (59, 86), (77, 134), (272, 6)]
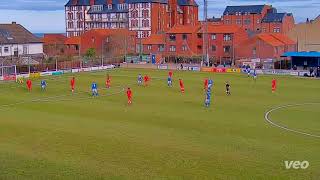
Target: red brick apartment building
[(145, 17), (187, 42), (258, 19)]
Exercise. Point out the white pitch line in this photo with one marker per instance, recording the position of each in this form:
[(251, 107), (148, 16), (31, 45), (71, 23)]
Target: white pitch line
[(266, 117)]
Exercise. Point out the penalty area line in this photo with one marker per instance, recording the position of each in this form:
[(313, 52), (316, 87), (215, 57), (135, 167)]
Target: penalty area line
[(268, 119)]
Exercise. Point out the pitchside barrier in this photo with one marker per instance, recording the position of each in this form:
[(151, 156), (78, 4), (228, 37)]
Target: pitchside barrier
[(56, 73), (278, 72), (221, 70)]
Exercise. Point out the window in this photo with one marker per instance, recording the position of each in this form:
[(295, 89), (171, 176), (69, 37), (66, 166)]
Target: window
[(161, 47), (0, 50), (264, 29), (6, 49), (227, 21), (213, 48), (226, 49), (70, 25), (254, 51), (134, 14), (145, 13), (184, 48), (213, 36), (149, 47), (145, 23), (227, 37), (184, 36), (258, 21), (109, 6), (199, 35), (247, 21), (172, 48), (276, 30), (145, 5), (145, 34), (25, 50), (238, 21), (172, 37)]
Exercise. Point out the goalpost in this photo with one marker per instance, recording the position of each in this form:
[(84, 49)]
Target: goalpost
[(8, 73)]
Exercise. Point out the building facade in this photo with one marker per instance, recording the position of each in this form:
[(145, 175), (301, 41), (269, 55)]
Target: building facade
[(145, 17), (258, 19), (16, 41), (307, 35)]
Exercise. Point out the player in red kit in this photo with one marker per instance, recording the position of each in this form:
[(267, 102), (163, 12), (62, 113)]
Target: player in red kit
[(108, 81), (29, 85), (181, 85), (274, 85), (170, 74), (146, 80), (205, 84), (72, 83), (129, 95)]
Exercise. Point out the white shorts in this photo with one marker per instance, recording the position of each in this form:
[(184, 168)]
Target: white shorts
[(94, 90)]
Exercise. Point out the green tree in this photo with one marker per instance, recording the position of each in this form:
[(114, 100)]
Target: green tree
[(91, 53)]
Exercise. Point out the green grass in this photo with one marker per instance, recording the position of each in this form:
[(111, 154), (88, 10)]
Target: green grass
[(163, 135)]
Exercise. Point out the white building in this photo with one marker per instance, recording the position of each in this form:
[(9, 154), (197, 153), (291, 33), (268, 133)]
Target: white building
[(16, 41)]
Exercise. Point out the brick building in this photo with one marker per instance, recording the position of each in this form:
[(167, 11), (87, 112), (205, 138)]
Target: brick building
[(266, 46), (53, 44), (145, 17), (105, 42), (258, 18), (186, 42)]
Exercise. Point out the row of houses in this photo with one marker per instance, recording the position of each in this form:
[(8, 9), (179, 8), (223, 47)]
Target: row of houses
[(224, 44)]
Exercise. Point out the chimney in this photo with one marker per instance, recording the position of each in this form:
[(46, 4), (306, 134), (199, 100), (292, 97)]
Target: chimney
[(109, 1), (74, 2), (13, 22), (92, 2)]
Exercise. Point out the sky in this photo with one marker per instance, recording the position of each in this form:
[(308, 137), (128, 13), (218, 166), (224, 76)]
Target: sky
[(47, 16)]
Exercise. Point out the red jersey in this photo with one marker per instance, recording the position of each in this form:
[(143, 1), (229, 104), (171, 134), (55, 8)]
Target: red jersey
[(129, 93), (29, 83), (181, 83), (206, 83), (146, 78), (274, 83), (170, 73), (72, 82)]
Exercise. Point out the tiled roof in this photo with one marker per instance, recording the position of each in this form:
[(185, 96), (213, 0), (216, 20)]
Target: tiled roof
[(222, 28), (254, 9), (274, 17), (275, 39), (16, 34), (283, 38), (154, 39), (184, 29), (104, 2), (76, 40), (54, 39)]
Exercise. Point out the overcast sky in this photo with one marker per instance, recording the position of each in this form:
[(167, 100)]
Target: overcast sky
[(48, 15)]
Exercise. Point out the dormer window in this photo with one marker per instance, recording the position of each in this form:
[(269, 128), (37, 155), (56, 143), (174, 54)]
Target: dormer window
[(109, 6), (97, 7)]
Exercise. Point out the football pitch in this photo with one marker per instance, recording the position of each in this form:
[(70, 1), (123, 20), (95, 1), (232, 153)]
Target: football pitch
[(164, 134)]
